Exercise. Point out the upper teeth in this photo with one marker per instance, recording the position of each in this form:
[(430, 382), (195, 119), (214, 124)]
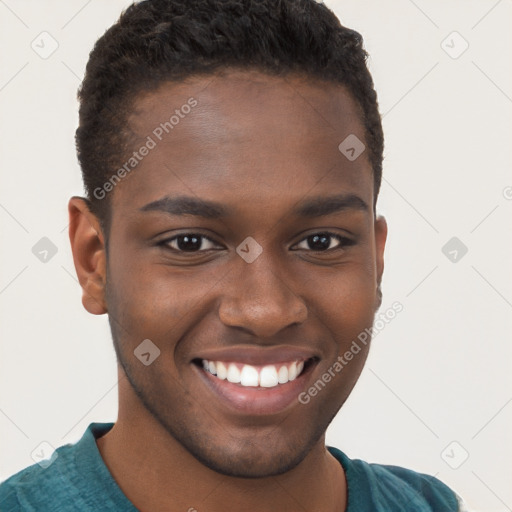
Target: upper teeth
[(267, 376)]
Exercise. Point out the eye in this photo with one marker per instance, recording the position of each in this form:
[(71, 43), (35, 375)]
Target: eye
[(323, 241), (189, 242), (196, 242)]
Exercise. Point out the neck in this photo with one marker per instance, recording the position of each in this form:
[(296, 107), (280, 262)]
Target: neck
[(154, 470)]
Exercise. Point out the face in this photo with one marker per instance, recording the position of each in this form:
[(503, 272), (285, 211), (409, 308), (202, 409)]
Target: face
[(272, 261)]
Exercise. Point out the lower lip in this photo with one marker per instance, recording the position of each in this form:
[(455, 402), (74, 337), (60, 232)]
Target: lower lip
[(256, 401)]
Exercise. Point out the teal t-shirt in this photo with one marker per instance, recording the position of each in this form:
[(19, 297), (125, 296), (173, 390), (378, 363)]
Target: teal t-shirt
[(78, 481)]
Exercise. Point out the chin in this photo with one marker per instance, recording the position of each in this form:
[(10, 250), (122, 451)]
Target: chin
[(249, 461)]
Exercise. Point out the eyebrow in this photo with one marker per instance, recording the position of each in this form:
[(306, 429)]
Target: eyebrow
[(321, 205), (313, 207)]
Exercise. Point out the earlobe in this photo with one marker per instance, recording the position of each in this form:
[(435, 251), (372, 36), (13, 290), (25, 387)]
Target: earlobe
[(89, 255), (381, 232), (378, 297)]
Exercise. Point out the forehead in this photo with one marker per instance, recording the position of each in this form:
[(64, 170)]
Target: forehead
[(230, 100), (247, 136)]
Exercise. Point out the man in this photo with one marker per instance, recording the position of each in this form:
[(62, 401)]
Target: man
[(231, 152)]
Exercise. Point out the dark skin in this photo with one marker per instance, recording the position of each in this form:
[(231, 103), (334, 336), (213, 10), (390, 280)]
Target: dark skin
[(259, 145)]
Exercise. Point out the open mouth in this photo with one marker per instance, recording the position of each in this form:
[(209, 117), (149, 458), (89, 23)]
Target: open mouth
[(256, 376), (254, 381)]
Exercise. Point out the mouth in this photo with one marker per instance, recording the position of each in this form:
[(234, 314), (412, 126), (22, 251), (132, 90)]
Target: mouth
[(255, 389), (247, 375)]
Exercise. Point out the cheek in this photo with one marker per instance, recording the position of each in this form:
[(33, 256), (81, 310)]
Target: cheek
[(346, 310), (346, 300), (153, 301)]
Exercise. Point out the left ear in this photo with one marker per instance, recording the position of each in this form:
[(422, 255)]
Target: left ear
[(380, 233)]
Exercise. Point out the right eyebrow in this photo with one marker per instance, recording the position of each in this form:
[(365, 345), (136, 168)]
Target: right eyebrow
[(187, 205)]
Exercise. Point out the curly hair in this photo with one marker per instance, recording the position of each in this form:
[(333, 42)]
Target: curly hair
[(155, 41)]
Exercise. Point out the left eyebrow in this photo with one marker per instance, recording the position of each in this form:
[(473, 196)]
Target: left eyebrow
[(321, 205)]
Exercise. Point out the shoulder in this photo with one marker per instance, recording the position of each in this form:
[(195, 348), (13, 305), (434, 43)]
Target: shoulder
[(60, 483), (37, 481), (8, 498), (431, 492), (387, 487)]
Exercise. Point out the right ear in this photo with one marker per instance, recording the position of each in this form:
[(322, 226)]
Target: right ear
[(89, 254)]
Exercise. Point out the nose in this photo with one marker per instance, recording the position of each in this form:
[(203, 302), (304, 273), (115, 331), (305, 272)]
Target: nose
[(260, 299)]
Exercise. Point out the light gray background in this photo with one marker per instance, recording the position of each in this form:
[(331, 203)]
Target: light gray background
[(439, 372)]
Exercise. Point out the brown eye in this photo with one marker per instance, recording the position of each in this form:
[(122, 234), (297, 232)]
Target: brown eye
[(189, 242), (324, 242)]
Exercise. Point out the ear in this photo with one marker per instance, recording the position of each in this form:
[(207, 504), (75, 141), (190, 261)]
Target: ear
[(89, 255), (381, 233)]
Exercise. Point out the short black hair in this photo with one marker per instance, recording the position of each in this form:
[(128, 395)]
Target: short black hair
[(156, 41)]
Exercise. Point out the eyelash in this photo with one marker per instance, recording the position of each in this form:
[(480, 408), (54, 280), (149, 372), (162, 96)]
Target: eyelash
[(344, 241)]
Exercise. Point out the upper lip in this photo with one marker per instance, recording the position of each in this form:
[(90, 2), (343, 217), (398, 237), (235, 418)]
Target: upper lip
[(258, 355)]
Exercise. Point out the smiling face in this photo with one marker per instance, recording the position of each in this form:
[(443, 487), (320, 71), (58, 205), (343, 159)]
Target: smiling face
[(244, 237)]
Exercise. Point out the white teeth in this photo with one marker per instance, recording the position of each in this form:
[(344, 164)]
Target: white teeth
[(249, 376), (292, 371), (222, 371), (233, 374), (268, 376), (282, 375)]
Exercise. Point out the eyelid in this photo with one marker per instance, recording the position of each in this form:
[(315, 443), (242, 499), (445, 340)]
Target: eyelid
[(168, 240), (344, 241)]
